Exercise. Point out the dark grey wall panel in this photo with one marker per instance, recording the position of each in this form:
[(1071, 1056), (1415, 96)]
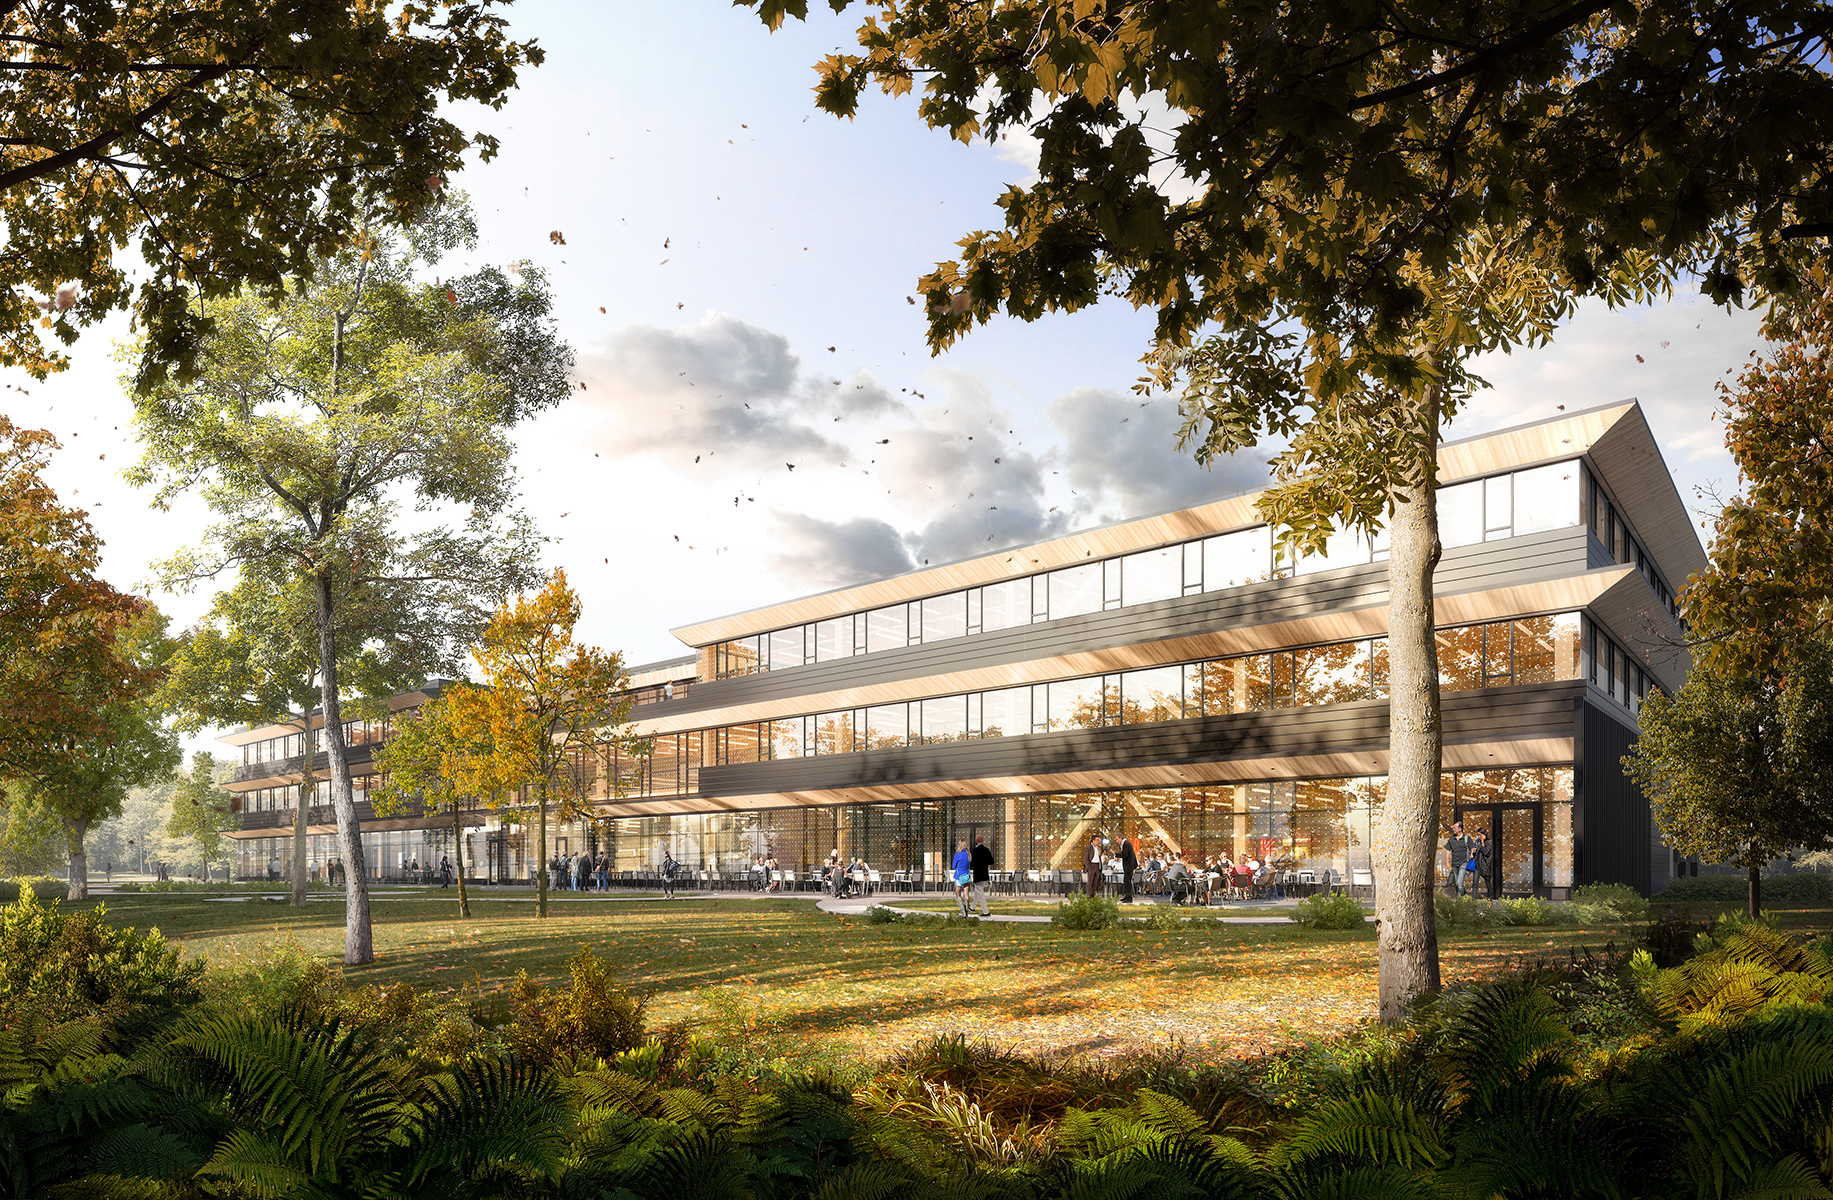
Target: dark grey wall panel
[(1555, 554), (1612, 824), (1538, 710)]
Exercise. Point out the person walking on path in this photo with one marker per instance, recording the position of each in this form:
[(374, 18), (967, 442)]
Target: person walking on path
[(1482, 863), (1457, 853), (669, 868), (981, 863), (1129, 862), (963, 868), (445, 872), (1091, 865)]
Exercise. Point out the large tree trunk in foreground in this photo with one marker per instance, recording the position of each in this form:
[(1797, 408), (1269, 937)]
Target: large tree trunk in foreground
[(1406, 834), (541, 844), (74, 832), (458, 851), (1755, 899), (359, 947), (308, 786)]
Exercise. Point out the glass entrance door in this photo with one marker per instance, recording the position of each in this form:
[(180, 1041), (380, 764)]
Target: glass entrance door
[(1514, 839)]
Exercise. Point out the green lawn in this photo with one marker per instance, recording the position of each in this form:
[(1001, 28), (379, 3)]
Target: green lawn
[(783, 967)]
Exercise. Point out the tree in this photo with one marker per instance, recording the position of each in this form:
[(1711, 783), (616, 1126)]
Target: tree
[(548, 703), (255, 662), (60, 627), (89, 777), (431, 763), (1770, 579), (202, 810), (1378, 192), (312, 419), (232, 143), (1734, 763)]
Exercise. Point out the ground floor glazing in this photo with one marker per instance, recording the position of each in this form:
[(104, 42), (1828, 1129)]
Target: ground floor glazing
[(1315, 825)]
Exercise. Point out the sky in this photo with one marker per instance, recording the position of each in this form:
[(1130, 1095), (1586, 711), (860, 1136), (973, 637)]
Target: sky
[(760, 416)]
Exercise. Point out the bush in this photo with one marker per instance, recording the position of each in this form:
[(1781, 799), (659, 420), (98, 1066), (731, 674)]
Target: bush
[(1529, 910), (1087, 912), (66, 965), (1338, 910), (41, 886), (1620, 898), (1800, 888), (597, 1018), (878, 914)]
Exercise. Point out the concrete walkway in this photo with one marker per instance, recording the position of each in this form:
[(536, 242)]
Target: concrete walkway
[(1013, 911)]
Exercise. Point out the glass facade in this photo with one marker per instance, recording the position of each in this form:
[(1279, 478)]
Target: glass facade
[(1539, 649), (1500, 506)]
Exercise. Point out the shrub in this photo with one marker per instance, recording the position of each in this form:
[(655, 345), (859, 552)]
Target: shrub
[(42, 886), (1624, 900), (595, 1019), (878, 914), (1800, 888), (1338, 910), (1529, 910), (69, 964), (1087, 912)]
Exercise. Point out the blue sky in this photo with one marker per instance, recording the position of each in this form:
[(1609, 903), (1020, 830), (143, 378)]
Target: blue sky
[(746, 249)]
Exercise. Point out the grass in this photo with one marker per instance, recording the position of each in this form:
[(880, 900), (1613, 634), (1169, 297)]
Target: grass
[(786, 970)]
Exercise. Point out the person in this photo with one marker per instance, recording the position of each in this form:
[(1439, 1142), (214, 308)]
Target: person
[(980, 862), (1482, 858), (668, 874), (581, 865), (1457, 856), (273, 867), (1091, 865), (1129, 862), (771, 878), (862, 875), (445, 871), (604, 870), (111, 872), (1177, 877), (963, 868)]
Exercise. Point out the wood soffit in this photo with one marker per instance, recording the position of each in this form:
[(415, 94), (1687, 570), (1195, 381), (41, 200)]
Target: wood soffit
[(1629, 457), (1552, 595)]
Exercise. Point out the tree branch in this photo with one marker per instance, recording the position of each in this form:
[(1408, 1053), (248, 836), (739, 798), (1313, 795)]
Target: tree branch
[(1527, 38)]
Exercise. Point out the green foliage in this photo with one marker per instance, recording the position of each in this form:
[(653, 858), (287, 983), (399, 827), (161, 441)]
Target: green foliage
[(1620, 898), (1800, 888), (1339, 910), (41, 886), (1087, 912), (67, 964)]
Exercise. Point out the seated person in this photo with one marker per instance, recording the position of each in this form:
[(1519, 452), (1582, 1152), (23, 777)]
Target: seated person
[(1178, 878)]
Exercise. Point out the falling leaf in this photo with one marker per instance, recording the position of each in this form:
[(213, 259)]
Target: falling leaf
[(791, 466), (665, 242), (601, 308), (1639, 358), (556, 237), (884, 441)]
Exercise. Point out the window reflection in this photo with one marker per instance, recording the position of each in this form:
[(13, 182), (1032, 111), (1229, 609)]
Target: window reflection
[(834, 733), (887, 628), (1233, 559), (943, 720), (1153, 575), (1152, 695), (834, 639), (1005, 713), (887, 726), (1460, 515), (1076, 703), (944, 617), (1075, 591), (1004, 605)]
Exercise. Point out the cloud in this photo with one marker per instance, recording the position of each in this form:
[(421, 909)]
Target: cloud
[(1121, 455), (827, 554), (726, 391)]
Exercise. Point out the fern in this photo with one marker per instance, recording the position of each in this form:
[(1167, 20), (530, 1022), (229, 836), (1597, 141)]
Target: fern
[(489, 1115), (1374, 1129)]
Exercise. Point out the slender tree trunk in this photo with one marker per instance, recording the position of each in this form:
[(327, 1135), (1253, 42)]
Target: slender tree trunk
[(458, 849), (74, 831), (359, 946), (541, 843), (1406, 835), (1755, 897), (308, 786)]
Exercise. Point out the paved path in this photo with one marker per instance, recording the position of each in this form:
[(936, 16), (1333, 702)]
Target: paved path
[(854, 906)]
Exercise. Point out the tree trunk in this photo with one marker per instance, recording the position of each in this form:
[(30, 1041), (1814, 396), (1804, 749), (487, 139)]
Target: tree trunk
[(359, 947), (541, 844), (1755, 898), (74, 832), (1405, 837), (458, 851), (308, 785)]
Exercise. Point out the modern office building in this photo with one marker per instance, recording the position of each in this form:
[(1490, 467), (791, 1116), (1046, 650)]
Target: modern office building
[(1167, 677)]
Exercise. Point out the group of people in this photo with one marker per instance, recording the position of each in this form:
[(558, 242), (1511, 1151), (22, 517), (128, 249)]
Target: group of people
[(766, 873), (838, 874), (1469, 861), (579, 872), (973, 871)]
